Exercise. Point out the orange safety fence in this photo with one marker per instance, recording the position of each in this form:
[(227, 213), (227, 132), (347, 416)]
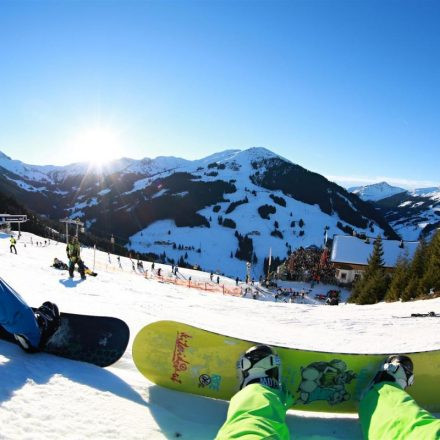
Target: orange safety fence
[(201, 285)]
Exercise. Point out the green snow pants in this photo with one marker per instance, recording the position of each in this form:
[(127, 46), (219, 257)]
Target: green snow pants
[(256, 412), (388, 413)]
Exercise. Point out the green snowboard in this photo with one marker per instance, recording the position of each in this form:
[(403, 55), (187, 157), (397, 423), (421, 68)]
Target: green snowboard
[(193, 360)]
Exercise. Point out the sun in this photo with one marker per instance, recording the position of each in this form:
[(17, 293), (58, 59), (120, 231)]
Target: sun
[(98, 145)]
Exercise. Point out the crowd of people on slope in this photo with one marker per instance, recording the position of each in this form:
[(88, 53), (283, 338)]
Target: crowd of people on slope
[(310, 264)]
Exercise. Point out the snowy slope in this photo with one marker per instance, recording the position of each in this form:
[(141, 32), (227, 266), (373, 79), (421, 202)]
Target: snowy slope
[(376, 191), (177, 208), (45, 397), (293, 225), (411, 213), (433, 192)]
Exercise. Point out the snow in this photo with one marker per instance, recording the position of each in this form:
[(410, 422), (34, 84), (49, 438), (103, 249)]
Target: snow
[(21, 169), (376, 191), (221, 240), (427, 192), (348, 249), (25, 186), (160, 193), (46, 397)]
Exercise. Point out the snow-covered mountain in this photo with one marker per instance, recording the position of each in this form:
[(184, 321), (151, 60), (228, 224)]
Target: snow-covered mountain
[(376, 191), (216, 212), (412, 213)]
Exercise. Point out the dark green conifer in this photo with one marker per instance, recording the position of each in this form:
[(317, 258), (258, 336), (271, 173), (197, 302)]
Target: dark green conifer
[(372, 287)]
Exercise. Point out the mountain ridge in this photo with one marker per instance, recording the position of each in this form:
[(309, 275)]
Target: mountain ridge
[(214, 212)]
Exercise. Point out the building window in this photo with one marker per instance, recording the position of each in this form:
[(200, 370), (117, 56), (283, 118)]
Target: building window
[(343, 276)]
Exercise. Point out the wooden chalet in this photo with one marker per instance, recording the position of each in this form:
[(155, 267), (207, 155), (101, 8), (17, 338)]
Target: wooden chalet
[(350, 255)]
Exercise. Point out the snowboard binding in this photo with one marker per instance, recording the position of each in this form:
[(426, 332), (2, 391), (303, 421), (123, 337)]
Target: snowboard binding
[(398, 369), (48, 319), (259, 364)]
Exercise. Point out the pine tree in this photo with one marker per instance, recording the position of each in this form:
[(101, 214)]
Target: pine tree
[(375, 262), (410, 291), (399, 280), (371, 288), (431, 276), (416, 271)]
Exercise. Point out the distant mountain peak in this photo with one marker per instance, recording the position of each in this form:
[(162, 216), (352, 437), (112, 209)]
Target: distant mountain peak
[(426, 192), (376, 191), (4, 156)]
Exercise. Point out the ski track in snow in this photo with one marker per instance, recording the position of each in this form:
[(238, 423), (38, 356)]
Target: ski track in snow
[(46, 397)]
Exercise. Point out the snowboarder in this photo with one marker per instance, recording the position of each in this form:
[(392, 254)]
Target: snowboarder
[(236, 281), (13, 243), (73, 251), (218, 279), (31, 330), (58, 264), (386, 411)]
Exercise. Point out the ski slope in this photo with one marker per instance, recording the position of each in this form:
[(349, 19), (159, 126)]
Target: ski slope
[(45, 397)]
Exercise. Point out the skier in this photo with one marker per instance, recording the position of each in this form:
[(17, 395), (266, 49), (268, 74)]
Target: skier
[(73, 254), (13, 243), (31, 329), (386, 411)]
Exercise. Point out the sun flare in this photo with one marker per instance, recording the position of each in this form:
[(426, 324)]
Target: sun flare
[(98, 145)]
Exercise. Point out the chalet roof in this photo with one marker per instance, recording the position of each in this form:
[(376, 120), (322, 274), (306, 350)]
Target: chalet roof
[(353, 250)]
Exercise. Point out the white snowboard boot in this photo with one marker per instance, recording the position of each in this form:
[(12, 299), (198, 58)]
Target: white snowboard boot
[(260, 364)]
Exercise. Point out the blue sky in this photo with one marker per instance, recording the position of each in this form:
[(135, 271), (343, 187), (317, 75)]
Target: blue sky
[(349, 89)]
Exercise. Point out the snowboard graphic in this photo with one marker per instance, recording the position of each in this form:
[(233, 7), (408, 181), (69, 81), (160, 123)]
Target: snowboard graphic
[(99, 340), (189, 359)]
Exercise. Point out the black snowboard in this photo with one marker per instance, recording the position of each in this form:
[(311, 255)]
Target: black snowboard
[(99, 340)]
